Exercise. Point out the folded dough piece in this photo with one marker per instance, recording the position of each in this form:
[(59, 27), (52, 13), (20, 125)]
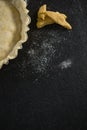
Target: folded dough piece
[(49, 17)]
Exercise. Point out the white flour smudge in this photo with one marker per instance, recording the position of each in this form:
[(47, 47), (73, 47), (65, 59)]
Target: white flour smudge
[(65, 64), (41, 52), (41, 56)]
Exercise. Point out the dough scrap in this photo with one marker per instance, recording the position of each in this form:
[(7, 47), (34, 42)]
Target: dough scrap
[(50, 17)]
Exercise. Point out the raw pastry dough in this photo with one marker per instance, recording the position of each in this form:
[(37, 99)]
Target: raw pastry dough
[(49, 17), (14, 22)]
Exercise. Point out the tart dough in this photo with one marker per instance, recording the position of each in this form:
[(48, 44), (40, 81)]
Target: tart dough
[(50, 17), (14, 22)]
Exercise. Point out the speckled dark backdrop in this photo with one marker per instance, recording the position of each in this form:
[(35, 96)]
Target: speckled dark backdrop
[(45, 87)]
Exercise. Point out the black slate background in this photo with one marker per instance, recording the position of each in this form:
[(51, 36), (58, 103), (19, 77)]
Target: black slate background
[(54, 98)]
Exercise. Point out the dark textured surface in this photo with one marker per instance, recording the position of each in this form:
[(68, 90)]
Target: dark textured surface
[(45, 87)]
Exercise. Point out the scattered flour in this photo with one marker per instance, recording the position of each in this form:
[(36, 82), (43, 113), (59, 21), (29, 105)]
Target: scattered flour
[(40, 56), (65, 64)]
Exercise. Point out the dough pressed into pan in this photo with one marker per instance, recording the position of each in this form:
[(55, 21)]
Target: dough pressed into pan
[(14, 22)]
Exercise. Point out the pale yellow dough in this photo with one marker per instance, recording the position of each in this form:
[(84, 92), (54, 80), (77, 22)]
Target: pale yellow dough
[(14, 22), (49, 17), (10, 27)]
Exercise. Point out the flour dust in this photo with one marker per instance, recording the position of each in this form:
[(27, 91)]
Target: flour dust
[(41, 55)]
